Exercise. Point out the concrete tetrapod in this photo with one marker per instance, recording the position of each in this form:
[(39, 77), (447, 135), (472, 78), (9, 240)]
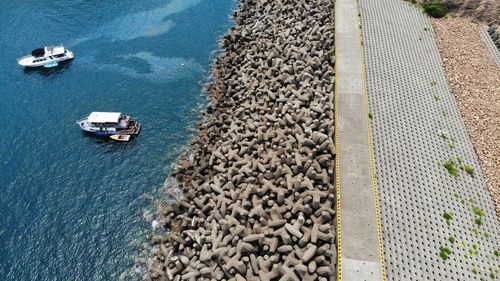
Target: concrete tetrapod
[(259, 182)]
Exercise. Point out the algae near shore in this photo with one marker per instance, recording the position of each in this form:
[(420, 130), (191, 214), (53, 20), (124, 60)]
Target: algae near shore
[(259, 185)]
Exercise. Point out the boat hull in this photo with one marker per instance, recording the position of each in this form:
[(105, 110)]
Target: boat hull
[(102, 134), (105, 133)]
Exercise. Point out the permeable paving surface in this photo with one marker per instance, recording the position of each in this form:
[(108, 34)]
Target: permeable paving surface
[(495, 52), (438, 218)]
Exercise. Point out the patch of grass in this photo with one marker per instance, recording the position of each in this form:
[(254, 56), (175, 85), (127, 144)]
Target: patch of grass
[(435, 9), (445, 113), (468, 169), (451, 145), (474, 251), (474, 270), (444, 135), (433, 82), (486, 235), (459, 159), (452, 169), (452, 239), (448, 216), (370, 115), (496, 253), (475, 230), (478, 211), (444, 252), (436, 97)]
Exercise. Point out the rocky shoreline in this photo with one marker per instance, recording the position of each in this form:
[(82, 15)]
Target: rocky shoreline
[(259, 180)]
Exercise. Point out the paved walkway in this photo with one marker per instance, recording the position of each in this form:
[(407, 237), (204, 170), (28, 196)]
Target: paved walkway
[(491, 45), (359, 243), (436, 226)]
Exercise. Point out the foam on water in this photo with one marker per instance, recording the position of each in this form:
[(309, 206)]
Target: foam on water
[(156, 69), (148, 23)]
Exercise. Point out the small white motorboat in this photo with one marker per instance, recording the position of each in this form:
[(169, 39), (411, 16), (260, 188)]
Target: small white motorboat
[(120, 137), (106, 124), (46, 57)]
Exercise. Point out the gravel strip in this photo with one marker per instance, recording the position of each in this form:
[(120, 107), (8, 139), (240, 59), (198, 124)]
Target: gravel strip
[(474, 78), (259, 183)]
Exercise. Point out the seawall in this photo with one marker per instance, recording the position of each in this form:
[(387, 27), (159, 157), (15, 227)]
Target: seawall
[(259, 183)]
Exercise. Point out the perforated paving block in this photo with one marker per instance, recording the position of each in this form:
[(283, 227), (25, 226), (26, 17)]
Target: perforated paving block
[(436, 226), (491, 45)]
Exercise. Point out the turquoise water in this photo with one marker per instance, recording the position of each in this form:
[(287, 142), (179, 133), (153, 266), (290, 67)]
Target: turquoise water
[(71, 204)]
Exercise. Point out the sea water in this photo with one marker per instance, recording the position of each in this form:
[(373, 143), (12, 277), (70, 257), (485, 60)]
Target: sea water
[(71, 205)]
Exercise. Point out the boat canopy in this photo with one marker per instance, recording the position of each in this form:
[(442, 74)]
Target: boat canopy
[(38, 52), (104, 117)]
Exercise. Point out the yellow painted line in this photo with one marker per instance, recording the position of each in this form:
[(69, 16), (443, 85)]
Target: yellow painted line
[(370, 147), (337, 159), (372, 162), (337, 173)]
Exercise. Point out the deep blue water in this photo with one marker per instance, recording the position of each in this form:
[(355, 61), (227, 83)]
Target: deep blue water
[(71, 204)]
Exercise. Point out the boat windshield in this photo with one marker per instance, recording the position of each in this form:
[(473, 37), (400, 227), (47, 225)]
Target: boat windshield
[(104, 124), (38, 52)]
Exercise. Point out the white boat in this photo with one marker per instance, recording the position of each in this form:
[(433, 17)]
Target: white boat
[(47, 56), (109, 123)]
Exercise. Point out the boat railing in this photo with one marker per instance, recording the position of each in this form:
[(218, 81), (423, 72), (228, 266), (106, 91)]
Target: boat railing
[(24, 57), (82, 119)]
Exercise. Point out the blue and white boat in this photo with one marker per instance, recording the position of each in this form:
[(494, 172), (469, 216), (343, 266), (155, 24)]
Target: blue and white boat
[(46, 57), (109, 123)]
